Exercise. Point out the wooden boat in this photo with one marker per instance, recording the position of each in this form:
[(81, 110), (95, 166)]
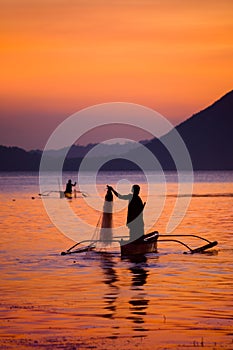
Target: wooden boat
[(143, 245), (66, 195)]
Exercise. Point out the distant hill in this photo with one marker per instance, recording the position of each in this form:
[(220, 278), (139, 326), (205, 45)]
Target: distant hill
[(208, 136), (104, 149), (17, 159)]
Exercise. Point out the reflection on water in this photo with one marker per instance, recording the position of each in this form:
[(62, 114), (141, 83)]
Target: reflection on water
[(138, 302), (110, 279), (99, 300)]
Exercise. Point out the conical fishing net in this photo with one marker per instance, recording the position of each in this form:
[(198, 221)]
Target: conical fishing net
[(103, 232)]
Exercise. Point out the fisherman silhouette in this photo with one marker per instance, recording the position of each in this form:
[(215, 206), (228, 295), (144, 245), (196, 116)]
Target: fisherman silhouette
[(134, 221), (68, 191)]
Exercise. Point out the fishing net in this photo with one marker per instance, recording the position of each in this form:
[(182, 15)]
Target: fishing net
[(103, 232)]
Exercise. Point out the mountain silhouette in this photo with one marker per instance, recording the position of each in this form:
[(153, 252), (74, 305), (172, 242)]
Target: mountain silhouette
[(208, 136), (17, 159)]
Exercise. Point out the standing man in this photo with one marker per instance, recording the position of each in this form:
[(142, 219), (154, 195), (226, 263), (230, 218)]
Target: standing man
[(68, 191), (134, 221)]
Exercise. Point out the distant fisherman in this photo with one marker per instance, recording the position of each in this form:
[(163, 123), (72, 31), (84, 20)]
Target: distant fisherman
[(69, 186), (134, 221)]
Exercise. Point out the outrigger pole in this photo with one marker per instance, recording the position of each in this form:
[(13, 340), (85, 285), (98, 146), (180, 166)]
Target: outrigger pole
[(89, 247), (192, 251)]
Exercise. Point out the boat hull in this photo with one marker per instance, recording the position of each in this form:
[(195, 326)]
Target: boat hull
[(67, 195), (143, 245)]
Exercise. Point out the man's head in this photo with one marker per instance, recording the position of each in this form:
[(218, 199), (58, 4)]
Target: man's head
[(135, 189)]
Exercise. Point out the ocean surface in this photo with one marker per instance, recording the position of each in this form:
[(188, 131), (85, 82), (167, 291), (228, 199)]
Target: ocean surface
[(98, 300)]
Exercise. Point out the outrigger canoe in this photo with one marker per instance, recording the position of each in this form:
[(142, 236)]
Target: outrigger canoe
[(62, 194), (143, 245)]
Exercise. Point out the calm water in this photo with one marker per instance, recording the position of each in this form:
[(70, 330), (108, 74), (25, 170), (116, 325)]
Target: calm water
[(97, 300)]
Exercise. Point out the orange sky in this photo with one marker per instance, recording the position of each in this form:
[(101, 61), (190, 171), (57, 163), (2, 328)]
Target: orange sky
[(58, 56)]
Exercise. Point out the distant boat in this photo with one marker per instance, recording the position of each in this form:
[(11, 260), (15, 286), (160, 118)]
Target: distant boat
[(63, 194), (67, 195)]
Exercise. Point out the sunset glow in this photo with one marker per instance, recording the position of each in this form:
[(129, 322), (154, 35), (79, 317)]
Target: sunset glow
[(58, 57)]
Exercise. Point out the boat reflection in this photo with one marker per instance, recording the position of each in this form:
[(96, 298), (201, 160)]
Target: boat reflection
[(110, 279), (135, 296), (139, 301)]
